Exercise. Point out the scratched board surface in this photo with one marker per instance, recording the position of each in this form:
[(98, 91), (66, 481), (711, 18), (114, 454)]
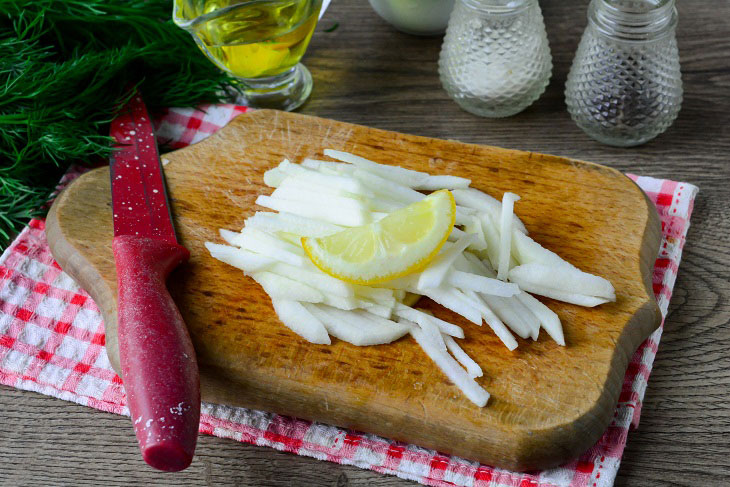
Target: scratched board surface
[(548, 403)]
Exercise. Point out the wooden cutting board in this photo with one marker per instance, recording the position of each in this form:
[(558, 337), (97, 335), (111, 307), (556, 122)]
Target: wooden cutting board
[(548, 404)]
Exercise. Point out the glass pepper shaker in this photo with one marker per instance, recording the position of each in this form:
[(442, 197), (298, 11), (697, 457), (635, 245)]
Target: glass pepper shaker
[(625, 86), (495, 59)]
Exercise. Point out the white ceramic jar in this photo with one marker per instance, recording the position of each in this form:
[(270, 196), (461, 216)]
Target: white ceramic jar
[(417, 17)]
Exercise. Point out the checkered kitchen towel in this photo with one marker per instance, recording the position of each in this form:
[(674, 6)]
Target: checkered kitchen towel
[(52, 342)]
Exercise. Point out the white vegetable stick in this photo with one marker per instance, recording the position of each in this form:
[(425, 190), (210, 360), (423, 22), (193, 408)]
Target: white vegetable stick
[(341, 302), (396, 173), (388, 188), (299, 320), (311, 186), (459, 305), (482, 202), (279, 287), (461, 356), (475, 227), (526, 316), (572, 298), (318, 198), (417, 316), (280, 253), (365, 319), (567, 279), (316, 164), (491, 236), (357, 329), (274, 177), (380, 310), (433, 183), (379, 295), (497, 326), (490, 318), (473, 391), (503, 309), (505, 234), (433, 333), (466, 210), (378, 320), (479, 267), (321, 212), (229, 236), (461, 217), (433, 275), (314, 278), (548, 318), (287, 222), (526, 251), (482, 284), (384, 304), (456, 234), (344, 183), (271, 239), (404, 283), (242, 259)]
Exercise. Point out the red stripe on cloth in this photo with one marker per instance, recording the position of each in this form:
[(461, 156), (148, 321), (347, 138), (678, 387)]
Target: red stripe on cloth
[(393, 456), (6, 341), (37, 224), (23, 314)]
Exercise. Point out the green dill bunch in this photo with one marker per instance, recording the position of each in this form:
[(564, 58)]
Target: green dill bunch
[(65, 67)]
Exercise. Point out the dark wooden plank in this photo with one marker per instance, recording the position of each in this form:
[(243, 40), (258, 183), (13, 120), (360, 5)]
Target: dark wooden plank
[(365, 72)]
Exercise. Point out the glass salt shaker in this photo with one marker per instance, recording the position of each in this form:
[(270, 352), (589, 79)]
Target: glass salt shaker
[(495, 60), (625, 86)]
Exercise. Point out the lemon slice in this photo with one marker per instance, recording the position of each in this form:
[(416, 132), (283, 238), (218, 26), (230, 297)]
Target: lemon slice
[(403, 242)]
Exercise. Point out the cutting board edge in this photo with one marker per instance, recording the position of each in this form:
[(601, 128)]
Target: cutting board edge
[(73, 263)]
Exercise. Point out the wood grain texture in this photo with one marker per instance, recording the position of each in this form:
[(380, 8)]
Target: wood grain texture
[(548, 404), (365, 72)]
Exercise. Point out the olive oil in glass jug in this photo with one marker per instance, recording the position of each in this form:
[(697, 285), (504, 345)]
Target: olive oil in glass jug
[(260, 42)]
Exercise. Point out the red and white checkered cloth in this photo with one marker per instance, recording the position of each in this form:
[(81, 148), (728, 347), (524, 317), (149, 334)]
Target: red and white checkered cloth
[(52, 342)]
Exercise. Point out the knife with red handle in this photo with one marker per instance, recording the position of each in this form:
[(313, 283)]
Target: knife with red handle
[(159, 367)]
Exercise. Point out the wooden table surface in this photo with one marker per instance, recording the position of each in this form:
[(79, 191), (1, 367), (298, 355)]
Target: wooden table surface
[(365, 72)]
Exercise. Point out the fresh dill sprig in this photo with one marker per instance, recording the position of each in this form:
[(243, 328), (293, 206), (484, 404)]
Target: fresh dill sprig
[(65, 66)]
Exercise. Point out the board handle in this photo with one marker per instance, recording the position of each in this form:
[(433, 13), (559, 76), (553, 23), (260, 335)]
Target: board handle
[(159, 367)]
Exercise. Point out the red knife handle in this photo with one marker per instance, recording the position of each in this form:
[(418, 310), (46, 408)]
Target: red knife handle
[(159, 368)]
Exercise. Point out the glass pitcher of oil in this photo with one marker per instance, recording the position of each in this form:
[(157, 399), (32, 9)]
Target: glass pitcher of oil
[(260, 42)]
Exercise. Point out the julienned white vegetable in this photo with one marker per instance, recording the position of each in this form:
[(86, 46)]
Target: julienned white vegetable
[(358, 328), (505, 233), (548, 318), (452, 369), (319, 198), (280, 287), (338, 216), (395, 173), (475, 282), (248, 262), (568, 278), (299, 320), (471, 367), (434, 183), (483, 203), (289, 223), (436, 271)]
